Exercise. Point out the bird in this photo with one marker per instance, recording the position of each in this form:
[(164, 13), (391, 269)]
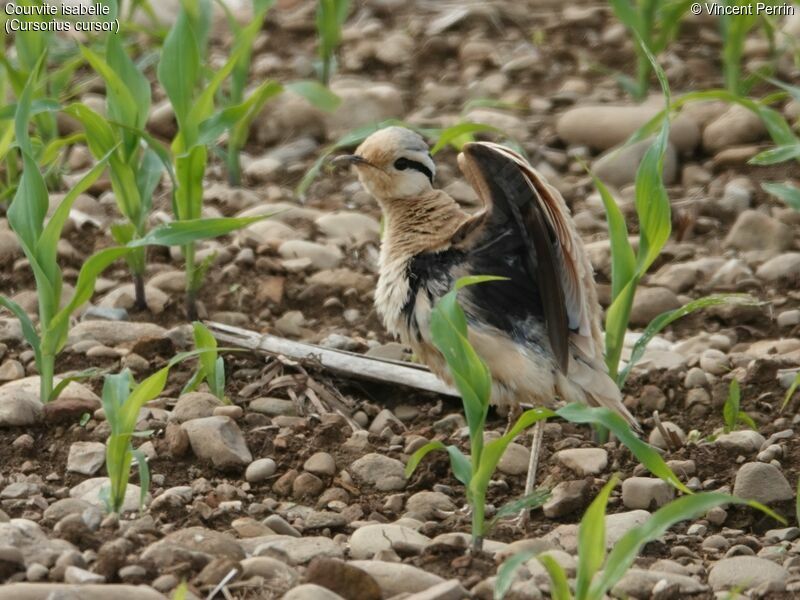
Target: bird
[(539, 329)]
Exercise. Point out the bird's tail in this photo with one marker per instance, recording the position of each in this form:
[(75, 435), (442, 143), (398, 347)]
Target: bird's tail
[(591, 385)]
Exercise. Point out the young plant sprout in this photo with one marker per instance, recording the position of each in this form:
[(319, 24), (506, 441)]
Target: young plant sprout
[(211, 367), (730, 410), (597, 571), (330, 17)]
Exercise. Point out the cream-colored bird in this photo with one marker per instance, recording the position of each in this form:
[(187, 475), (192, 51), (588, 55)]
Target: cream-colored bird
[(538, 331)]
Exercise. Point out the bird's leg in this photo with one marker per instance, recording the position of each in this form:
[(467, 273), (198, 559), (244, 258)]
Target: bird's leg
[(514, 411), (530, 480)]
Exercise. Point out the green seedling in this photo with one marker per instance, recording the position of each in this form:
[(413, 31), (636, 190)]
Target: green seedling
[(135, 169), (181, 73), (122, 399), (655, 225), (656, 24), (211, 368), (39, 239), (731, 413), (331, 15), (597, 571), (473, 381), (790, 392)]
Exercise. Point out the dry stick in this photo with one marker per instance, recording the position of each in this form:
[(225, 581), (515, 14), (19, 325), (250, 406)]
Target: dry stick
[(345, 363)]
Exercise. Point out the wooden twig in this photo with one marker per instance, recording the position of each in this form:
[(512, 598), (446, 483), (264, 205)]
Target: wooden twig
[(344, 363)]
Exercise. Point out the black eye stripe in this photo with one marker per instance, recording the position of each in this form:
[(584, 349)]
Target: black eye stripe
[(401, 164)]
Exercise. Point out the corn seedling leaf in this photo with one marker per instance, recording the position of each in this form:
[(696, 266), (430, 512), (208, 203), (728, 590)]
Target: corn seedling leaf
[(460, 134), (134, 81), (533, 500), (122, 104), (28, 328), (507, 572), (790, 392), (316, 93), (730, 410), (627, 548), (623, 258), (592, 539), (776, 155), (179, 68), (646, 454), (788, 193), (144, 476), (559, 586), (179, 233), (666, 318)]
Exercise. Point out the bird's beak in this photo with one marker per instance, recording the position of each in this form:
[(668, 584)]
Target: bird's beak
[(349, 159)]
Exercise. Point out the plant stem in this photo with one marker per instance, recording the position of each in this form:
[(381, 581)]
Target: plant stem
[(141, 296), (46, 374), (234, 166), (191, 290), (478, 511)]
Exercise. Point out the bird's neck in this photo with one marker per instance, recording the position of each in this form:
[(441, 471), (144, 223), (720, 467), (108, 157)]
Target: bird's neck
[(420, 224)]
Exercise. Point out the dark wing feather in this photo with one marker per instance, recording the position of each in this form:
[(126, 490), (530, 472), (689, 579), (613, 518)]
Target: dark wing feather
[(514, 225)]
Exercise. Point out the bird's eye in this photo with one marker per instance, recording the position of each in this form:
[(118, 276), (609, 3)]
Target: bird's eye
[(401, 164)]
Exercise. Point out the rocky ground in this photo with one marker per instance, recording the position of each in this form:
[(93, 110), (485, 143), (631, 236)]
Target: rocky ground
[(276, 487)]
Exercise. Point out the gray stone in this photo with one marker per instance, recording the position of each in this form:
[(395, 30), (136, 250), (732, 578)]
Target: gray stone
[(11, 370), (260, 469), (747, 572), (67, 591), (398, 578), (363, 102), (353, 226), (300, 550), (566, 497), (311, 591), (427, 504), (368, 540), (75, 574), (657, 439), (320, 463), (27, 537), (447, 590), (646, 492), (321, 257), (276, 573), (735, 127), (783, 266), (19, 408), (762, 482), (86, 458), (617, 525), (195, 405), (638, 583), (745, 441), (381, 471), (219, 440), (650, 302), (190, 544), (618, 166), (583, 461), (110, 333), (514, 460), (756, 231), (124, 296), (273, 407), (91, 491)]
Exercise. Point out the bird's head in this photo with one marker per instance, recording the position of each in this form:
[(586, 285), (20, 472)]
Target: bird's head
[(393, 164)]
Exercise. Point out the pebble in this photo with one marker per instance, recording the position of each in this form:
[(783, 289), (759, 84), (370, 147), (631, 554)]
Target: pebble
[(11, 370), (368, 540), (566, 497), (19, 408), (310, 591), (273, 407), (88, 591), (755, 231), (618, 166), (195, 405), (321, 257), (352, 226), (112, 334), (383, 472), (219, 440), (81, 576), (447, 590), (91, 491), (657, 439), (300, 550), (646, 492), (783, 266), (735, 127), (649, 302), (86, 458), (583, 461), (272, 570), (260, 469), (746, 573), (617, 525), (603, 127), (762, 482), (427, 505), (397, 578), (280, 526), (638, 583), (362, 102), (745, 441)]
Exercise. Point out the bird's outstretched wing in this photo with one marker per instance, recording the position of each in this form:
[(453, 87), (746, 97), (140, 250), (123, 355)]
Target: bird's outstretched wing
[(521, 209)]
